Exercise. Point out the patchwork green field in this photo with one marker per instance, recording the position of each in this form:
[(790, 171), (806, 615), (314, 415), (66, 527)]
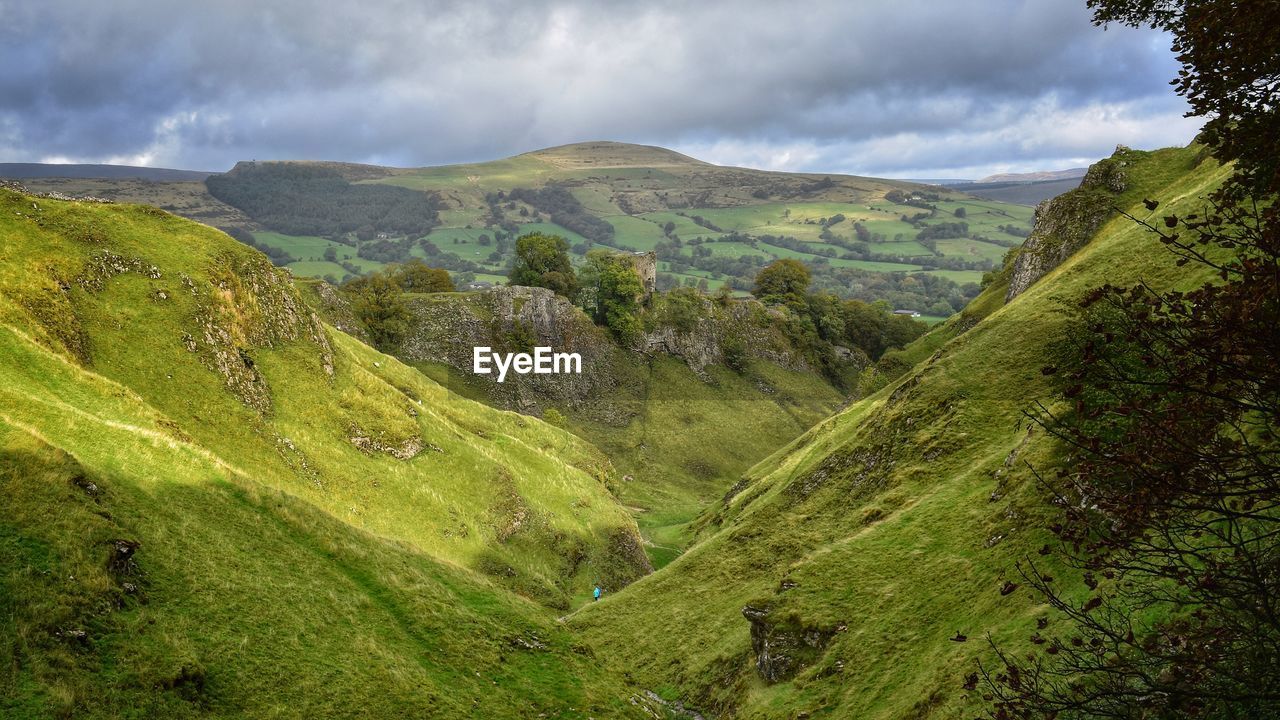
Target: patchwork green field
[(703, 221)]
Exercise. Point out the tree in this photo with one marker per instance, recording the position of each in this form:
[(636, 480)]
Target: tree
[(379, 304), (782, 281), (960, 213), (611, 293), (417, 276), (543, 261), (1171, 504)]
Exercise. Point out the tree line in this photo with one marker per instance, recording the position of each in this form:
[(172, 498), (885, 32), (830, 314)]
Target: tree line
[(298, 199)]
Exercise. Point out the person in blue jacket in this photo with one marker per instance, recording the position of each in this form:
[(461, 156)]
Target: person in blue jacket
[(596, 594)]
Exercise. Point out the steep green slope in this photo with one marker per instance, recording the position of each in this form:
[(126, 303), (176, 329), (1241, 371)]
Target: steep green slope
[(678, 438), (832, 579), (215, 504)]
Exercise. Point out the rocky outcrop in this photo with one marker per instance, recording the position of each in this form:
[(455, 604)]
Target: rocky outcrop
[(249, 304), (699, 331), (646, 265), (723, 335), (1066, 223), (783, 647), (448, 326), (332, 306)]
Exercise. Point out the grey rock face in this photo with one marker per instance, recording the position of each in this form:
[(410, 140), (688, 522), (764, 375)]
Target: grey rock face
[(1066, 223), (783, 648), (447, 326), (721, 331)]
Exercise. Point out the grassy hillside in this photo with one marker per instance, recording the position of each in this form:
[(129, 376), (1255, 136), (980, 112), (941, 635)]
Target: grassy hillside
[(678, 425), (692, 434), (678, 438), (832, 579), (217, 505)]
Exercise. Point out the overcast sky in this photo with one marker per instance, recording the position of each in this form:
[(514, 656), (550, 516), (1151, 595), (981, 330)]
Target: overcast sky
[(900, 88)]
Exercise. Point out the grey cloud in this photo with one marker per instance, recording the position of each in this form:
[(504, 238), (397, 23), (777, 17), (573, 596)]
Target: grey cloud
[(413, 83)]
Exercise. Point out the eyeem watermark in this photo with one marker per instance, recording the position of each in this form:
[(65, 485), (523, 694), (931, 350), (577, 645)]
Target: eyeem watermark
[(542, 361)]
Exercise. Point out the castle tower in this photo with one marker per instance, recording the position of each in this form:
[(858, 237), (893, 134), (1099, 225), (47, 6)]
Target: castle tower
[(646, 265)]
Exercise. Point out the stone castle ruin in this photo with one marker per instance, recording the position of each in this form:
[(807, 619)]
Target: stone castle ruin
[(646, 264)]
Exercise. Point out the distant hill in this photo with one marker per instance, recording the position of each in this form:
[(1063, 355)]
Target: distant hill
[(105, 172), (1020, 193), (940, 181), (1038, 176), (609, 154), (711, 225)]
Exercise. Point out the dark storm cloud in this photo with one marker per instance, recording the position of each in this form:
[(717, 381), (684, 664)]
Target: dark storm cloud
[(872, 87)]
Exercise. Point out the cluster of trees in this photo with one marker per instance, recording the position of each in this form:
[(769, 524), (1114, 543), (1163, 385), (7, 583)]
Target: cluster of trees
[(314, 200), (920, 199), (543, 261), (943, 230), (607, 286), (703, 222), (821, 320), (611, 293), (998, 241), (378, 301), (1014, 230), (565, 210), (386, 251), (1169, 403)]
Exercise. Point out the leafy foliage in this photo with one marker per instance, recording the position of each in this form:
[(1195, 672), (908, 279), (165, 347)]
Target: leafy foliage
[(378, 302), (612, 292), (314, 200), (543, 261), (417, 276), (566, 211), (1170, 505), (782, 281)]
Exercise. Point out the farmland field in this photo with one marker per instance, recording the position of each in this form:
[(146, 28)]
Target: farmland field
[(859, 236)]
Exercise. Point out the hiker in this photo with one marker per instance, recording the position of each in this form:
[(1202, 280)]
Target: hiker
[(596, 594)]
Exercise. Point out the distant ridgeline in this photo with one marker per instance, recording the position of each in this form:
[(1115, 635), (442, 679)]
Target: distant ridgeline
[(917, 247), (307, 199)]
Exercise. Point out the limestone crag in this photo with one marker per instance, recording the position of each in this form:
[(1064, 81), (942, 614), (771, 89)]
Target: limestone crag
[(448, 326), (1066, 223), (722, 333), (782, 648)]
